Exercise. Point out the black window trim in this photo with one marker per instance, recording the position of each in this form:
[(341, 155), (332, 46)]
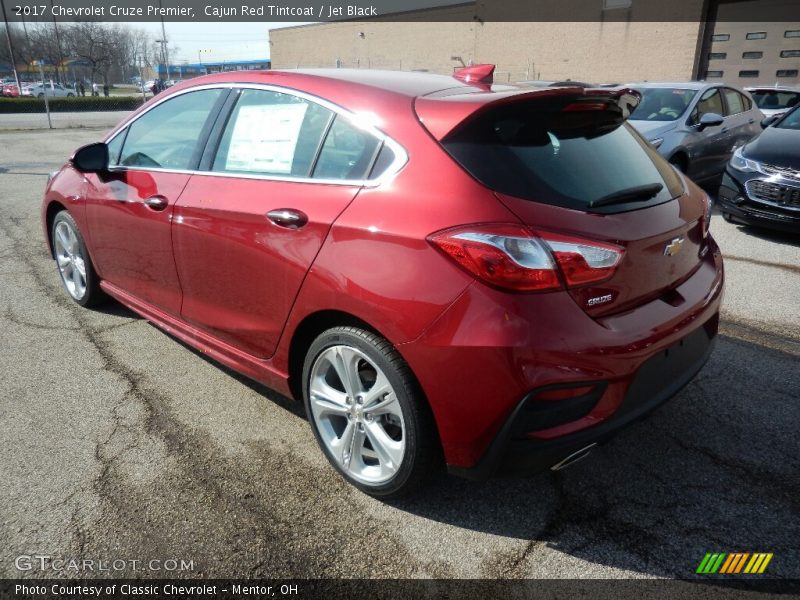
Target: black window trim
[(400, 154)]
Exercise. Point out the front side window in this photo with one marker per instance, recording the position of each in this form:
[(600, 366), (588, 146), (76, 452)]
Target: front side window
[(790, 121), (662, 104), (167, 136)]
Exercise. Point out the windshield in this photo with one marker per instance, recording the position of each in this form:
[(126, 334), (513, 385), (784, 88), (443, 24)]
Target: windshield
[(774, 99), (662, 104), (550, 153), (790, 121)]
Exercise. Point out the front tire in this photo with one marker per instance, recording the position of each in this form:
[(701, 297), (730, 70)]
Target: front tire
[(368, 413), (73, 262)]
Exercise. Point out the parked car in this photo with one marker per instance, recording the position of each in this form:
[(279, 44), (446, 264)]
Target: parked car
[(696, 126), (774, 100), (761, 185), (49, 89), (10, 90), (496, 280)]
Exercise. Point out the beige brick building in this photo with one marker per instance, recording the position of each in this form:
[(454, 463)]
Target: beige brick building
[(603, 46)]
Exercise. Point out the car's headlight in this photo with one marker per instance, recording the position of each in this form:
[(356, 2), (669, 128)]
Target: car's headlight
[(657, 142), (740, 163)]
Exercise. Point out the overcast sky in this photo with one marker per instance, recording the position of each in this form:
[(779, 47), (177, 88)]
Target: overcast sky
[(216, 42)]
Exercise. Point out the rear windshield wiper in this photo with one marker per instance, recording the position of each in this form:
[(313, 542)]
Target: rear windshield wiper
[(633, 194)]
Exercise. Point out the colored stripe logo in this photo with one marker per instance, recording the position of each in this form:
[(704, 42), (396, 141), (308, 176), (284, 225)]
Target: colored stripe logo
[(734, 563)]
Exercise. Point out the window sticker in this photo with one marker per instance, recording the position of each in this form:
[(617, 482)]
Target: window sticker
[(264, 138)]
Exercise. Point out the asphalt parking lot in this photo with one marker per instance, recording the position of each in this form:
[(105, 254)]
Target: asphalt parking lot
[(118, 442)]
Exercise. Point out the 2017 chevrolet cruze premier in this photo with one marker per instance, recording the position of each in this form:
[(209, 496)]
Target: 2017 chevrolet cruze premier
[(443, 270)]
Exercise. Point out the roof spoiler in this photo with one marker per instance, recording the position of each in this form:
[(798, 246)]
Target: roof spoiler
[(443, 114), (476, 74)]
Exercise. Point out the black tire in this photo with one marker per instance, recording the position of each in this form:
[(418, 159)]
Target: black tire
[(40, 95), (92, 295), (422, 454), (727, 216), (70, 95)]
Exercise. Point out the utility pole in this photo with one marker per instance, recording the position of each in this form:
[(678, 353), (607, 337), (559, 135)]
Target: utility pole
[(10, 47), (58, 41), (44, 89), (164, 47)]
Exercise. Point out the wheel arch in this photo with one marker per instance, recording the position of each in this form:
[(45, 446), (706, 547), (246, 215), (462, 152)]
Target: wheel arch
[(680, 157), (53, 208)]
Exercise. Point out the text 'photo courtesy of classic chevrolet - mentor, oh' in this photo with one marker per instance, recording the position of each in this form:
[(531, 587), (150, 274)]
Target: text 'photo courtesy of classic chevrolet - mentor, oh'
[(445, 271)]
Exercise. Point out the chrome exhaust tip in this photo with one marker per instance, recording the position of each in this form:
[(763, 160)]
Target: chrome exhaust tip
[(574, 457)]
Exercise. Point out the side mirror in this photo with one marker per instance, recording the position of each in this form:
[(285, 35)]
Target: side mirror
[(767, 121), (91, 159), (710, 120)]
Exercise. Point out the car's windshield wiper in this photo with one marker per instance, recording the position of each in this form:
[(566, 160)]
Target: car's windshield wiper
[(633, 194)]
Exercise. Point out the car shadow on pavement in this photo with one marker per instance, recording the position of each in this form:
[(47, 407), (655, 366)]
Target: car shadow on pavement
[(770, 235), (715, 469)]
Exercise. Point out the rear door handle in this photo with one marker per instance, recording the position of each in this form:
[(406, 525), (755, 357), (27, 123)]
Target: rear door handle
[(288, 217), (156, 202)]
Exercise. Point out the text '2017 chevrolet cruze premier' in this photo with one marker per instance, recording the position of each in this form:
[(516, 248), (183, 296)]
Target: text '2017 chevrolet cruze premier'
[(445, 271)]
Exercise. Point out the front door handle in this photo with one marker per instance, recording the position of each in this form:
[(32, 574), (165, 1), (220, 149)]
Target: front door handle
[(288, 217), (156, 202)]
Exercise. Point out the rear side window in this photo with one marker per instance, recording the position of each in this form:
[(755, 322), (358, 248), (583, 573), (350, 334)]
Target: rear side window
[(537, 151), (348, 152), (167, 136), (710, 103), (272, 133), (735, 101)]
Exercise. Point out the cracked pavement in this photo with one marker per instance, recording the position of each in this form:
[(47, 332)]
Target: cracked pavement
[(117, 441)]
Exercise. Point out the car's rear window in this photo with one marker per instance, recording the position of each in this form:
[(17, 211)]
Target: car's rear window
[(538, 151), (775, 99)]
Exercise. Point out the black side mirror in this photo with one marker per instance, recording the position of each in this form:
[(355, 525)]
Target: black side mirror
[(767, 121), (92, 158), (710, 120)]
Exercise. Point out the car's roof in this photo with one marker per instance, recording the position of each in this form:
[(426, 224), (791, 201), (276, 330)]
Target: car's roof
[(687, 85), (772, 88), (403, 83)]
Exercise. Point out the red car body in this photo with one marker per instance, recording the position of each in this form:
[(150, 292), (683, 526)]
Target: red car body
[(213, 272), (10, 90)]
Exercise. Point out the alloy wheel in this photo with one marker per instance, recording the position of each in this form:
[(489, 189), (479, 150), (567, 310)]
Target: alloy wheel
[(70, 260), (357, 414)]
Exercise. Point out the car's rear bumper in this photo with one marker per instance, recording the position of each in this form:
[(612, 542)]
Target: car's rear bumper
[(734, 199), (486, 361), (661, 377)]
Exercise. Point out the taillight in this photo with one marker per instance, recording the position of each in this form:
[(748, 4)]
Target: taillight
[(515, 258)]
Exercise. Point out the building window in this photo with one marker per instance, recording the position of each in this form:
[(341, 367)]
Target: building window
[(790, 53), (717, 55), (613, 4), (786, 73), (792, 33), (757, 35), (752, 54), (720, 37), (712, 74), (748, 73)]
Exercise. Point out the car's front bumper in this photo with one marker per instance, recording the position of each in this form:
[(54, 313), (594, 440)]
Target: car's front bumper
[(737, 199)]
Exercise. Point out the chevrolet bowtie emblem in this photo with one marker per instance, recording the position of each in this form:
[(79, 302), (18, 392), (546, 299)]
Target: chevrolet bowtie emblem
[(672, 248)]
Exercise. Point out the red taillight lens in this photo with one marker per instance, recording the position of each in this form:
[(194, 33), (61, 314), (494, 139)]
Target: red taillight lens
[(516, 258)]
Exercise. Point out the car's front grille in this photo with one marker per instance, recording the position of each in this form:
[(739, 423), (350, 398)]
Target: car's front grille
[(781, 171), (779, 194)]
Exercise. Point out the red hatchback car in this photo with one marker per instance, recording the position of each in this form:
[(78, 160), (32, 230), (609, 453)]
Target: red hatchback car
[(443, 270)]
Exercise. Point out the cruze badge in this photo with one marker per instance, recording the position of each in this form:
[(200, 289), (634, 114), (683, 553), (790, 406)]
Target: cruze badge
[(672, 248), (599, 300)]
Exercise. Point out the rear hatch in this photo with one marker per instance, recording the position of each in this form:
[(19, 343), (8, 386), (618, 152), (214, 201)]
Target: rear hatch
[(565, 161)]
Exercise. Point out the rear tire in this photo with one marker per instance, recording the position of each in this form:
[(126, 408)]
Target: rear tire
[(368, 413), (73, 262), (727, 216)]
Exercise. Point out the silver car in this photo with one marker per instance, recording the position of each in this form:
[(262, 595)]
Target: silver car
[(774, 100), (696, 126)]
